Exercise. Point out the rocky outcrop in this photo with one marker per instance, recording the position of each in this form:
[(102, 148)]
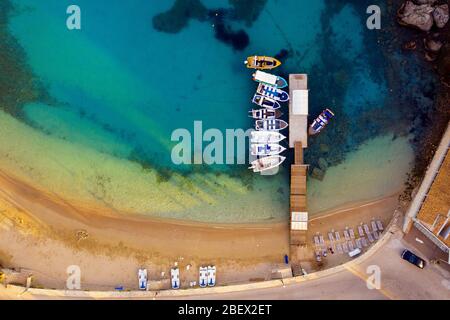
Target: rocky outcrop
[(419, 16), (440, 15), (432, 48), (423, 14), (425, 1), (410, 45), (432, 45)]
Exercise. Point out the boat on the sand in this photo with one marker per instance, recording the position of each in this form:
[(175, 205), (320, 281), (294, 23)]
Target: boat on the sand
[(262, 62), (320, 122), (266, 163), (270, 79), (265, 114), (270, 124), (272, 92), (266, 149)]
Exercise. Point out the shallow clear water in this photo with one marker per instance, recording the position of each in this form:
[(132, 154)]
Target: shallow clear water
[(119, 88)]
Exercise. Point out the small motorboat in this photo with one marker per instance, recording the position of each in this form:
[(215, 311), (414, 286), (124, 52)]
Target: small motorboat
[(265, 102), (272, 92), (266, 137), (262, 62), (320, 122), (270, 79), (263, 149), (265, 114), (270, 125), (266, 163)]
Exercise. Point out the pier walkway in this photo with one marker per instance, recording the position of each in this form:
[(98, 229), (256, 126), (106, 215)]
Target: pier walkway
[(298, 139), (298, 109)]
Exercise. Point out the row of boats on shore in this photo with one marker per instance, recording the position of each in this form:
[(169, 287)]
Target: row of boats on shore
[(265, 141)]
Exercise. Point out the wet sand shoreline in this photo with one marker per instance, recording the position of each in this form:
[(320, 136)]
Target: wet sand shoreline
[(45, 235)]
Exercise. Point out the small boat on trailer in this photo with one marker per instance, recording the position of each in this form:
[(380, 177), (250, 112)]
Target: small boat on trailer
[(320, 122), (272, 92), (265, 102), (270, 124), (270, 79), (269, 149), (262, 62), (266, 137), (266, 163), (265, 114)]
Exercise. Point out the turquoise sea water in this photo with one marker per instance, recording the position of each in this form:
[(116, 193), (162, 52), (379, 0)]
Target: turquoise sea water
[(121, 87)]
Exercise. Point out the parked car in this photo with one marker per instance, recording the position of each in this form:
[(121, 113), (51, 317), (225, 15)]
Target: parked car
[(412, 258)]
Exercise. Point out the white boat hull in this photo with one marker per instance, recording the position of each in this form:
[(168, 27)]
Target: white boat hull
[(262, 149), (266, 137), (266, 163)]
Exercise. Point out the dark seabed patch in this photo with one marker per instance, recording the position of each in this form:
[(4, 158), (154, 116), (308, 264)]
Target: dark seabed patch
[(177, 18), (18, 85), (239, 40)]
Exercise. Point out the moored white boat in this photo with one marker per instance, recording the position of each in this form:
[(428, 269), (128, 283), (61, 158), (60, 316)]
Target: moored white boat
[(270, 124), (266, 137), (265, 102), (272, 92), (265, 114), (263, 149), (266, 163), (270, 79)]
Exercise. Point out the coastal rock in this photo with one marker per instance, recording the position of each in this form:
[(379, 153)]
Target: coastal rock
[(430, 56), (440, 15), (432, 45), (410, 45), (318, 174), (425, 1), (418, 16)]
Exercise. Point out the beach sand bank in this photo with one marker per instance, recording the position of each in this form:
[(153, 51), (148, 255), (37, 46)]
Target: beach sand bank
[(44, 234)]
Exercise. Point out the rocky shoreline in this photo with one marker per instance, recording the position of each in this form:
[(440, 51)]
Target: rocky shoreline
[(427, 35)]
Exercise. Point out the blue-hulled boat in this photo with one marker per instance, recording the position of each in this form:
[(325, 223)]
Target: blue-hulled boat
[(320, 122), (270, 124), (272, 92), (265, 114), (265, 102)]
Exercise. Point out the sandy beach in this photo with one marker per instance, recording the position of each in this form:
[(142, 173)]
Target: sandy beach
[(42, 234)]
